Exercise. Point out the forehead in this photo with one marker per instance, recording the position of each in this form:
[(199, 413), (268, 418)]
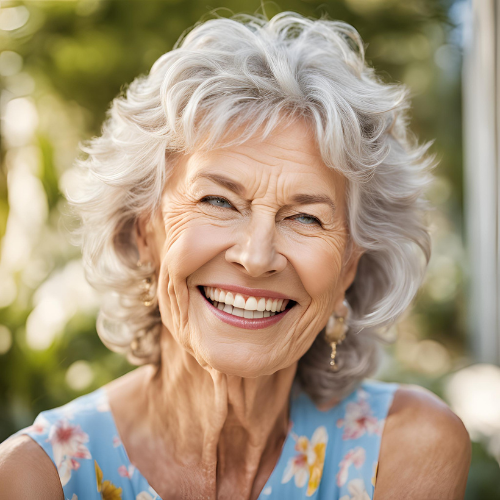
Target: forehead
[(289, 157)]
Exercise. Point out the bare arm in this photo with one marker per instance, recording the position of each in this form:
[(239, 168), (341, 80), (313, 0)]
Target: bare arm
[(425, 450), (26, 472)]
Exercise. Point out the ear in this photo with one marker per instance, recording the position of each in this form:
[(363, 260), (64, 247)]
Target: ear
[(144, 240)]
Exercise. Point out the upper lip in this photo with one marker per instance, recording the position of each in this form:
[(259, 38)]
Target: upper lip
[(252, 292)]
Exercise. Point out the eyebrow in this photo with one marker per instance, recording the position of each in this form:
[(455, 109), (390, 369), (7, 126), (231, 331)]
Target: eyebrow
[(236, 187), (233, 186), (311, 199)]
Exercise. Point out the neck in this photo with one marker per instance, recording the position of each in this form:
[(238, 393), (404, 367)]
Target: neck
[(230, 429)]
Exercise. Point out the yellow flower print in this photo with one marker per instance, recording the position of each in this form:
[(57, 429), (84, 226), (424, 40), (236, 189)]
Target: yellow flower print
[(307, 465), (106, 488), (375, 470)]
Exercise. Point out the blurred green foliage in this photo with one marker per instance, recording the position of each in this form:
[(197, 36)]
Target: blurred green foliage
[(75, 56)]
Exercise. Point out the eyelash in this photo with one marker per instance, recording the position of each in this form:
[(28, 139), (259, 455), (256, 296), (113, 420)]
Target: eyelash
[(207, 200)]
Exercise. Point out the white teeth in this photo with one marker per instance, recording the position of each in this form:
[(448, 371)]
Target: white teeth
[(253, 307), (251, 304), (238, 312), (239, 301)]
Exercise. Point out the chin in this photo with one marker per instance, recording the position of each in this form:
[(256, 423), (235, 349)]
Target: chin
[(239, 361)]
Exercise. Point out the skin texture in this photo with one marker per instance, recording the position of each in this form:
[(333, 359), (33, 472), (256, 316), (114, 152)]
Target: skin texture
[(230, 385), (210, 421), (26, 472), (425, 450)]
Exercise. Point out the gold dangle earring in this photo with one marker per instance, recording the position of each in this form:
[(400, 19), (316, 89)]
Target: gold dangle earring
[(145, 287), (335, 332)]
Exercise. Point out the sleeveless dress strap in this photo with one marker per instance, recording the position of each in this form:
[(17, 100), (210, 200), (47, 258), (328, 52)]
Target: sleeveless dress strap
[(333, 454), (83, 443), (327, 455)]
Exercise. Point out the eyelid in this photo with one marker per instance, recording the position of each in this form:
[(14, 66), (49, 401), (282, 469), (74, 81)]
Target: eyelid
[(306, 215), (216, 197)]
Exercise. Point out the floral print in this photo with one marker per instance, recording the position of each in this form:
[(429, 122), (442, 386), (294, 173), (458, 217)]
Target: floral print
[(148, 495), (357, 491), (327, 454), (354, 457), (41, 426), (125, 471), (68, 445), (375, 470), (307, 465), (359, 419), (106, 488)]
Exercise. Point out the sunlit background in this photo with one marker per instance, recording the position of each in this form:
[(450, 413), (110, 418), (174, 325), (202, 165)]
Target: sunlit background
[(62, 62)]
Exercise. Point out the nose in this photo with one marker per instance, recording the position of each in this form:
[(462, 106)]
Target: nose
[(255, 251)]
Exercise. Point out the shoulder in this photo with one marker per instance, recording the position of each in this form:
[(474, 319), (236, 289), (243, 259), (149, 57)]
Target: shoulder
[(425, 445), (27, 472), (420, 415)]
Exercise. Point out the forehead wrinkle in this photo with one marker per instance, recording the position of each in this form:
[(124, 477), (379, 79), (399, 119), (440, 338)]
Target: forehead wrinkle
[(275, 155)]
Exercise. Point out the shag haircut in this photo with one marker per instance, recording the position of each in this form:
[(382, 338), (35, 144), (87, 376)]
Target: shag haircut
[(250, 74)]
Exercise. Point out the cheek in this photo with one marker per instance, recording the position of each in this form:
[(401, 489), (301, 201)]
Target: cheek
[(193, 247), (188, 246), (319, 266)]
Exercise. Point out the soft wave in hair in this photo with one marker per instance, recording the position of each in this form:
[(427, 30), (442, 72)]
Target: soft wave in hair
[(250, 74)]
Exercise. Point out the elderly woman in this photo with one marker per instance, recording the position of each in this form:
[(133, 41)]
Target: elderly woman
[(253, 214)]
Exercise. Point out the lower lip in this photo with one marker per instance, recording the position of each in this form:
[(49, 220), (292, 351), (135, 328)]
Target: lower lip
[(248, 324)]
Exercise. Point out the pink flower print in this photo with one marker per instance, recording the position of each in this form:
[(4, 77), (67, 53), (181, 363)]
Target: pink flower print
[(67, 445), (40, 426), (359, 419), (357, 491), (354, 457), (125, 471), (116, 442)]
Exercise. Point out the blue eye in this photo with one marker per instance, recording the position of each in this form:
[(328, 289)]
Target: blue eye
[(217, 201), (306, 219)]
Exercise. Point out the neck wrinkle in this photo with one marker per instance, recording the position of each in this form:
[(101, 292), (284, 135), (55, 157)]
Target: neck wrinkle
[(226, 426)]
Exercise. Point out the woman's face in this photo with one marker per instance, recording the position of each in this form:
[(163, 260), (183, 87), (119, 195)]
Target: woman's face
[(261, 224)]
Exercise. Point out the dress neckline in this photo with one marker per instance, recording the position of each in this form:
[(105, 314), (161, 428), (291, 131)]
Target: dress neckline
[(128, 463)]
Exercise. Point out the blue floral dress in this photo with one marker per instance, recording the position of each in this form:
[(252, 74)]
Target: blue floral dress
[(327, 455)]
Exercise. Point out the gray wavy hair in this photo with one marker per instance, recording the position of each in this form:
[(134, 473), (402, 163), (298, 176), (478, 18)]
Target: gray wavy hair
[(249, 73)]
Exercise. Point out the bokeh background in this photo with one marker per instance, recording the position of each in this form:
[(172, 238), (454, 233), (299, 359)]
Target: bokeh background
[(61, 63)]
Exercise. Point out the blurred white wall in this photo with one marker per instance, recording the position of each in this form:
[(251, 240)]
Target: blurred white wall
[(482, 175)]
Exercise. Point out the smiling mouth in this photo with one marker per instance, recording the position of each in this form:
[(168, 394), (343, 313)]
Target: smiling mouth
[(245, 306)]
